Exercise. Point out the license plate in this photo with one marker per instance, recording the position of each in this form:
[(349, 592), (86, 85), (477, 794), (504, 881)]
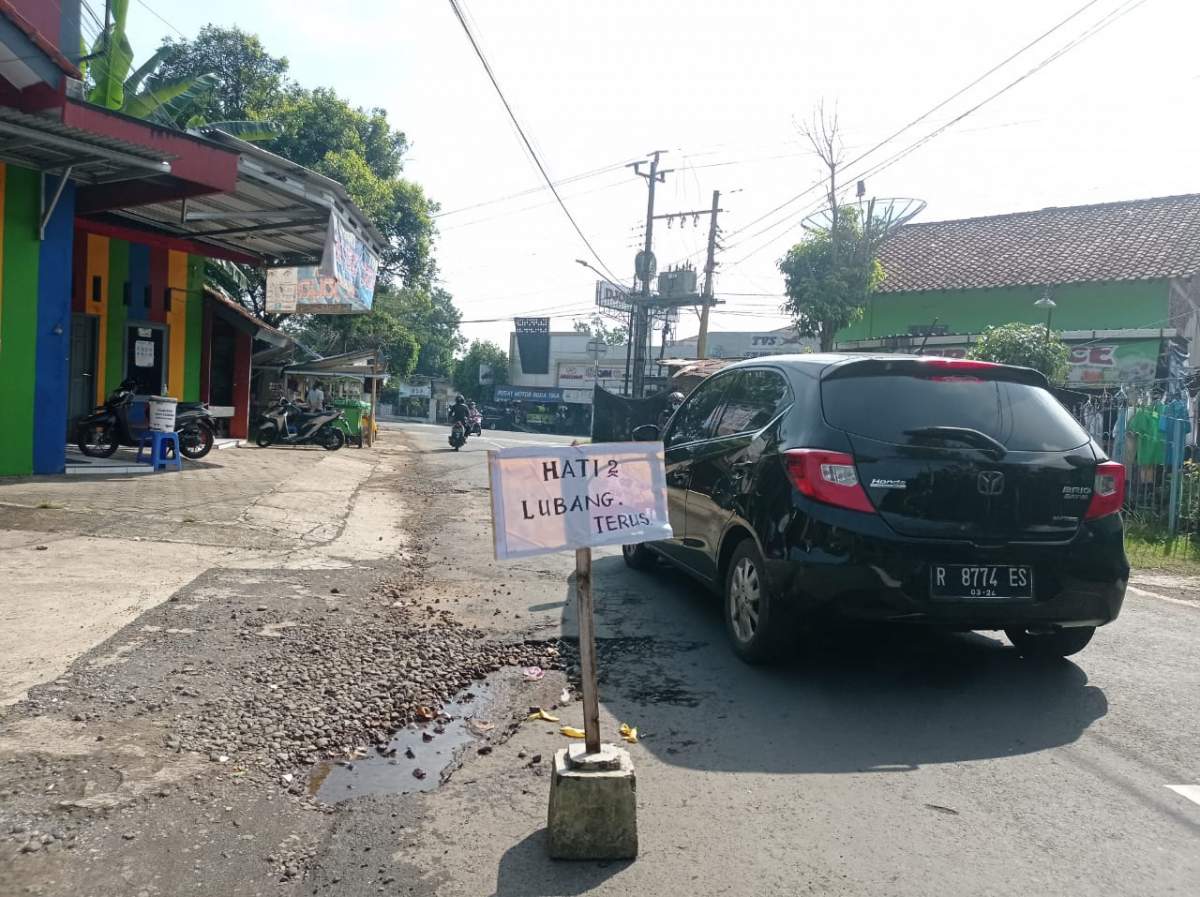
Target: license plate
[(980, 581)]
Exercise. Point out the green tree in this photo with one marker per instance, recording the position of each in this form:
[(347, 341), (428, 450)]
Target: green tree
[(252, 81), (466, 370), (827, 287), (429, 314), (598, 328), (1025, 345)]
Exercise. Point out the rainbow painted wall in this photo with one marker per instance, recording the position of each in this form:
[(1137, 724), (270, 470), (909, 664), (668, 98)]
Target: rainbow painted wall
[(35, 322), (122, 283)]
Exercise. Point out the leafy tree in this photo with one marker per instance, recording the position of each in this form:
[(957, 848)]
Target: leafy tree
[(380, 331), (430, 315), (153, 91), (1026, 345), (252, 81), (466, 371), (598, 328), (828, 280)]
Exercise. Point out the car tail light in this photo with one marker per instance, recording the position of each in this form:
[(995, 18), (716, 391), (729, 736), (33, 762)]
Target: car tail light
[(1108, 491), (966, 365), (828, 477)]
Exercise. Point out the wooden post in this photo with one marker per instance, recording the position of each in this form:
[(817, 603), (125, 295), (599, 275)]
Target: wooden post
[(587, 650)]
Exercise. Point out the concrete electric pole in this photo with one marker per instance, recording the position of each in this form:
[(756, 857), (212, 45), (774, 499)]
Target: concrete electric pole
[(645, 267), (710, 266)]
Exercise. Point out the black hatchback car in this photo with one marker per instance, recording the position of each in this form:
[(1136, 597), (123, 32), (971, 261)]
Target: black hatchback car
[(922, 490)]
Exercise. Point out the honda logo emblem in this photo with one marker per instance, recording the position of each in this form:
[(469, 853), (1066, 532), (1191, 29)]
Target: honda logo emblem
[(991, 482)]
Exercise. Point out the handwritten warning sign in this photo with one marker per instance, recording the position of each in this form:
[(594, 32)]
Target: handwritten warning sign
[(548, 499)]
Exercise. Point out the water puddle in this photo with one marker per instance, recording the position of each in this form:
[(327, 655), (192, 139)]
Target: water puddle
[(417, 758)]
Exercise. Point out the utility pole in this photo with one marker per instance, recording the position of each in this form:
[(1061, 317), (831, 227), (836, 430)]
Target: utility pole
[(645, 269), (710, 266)]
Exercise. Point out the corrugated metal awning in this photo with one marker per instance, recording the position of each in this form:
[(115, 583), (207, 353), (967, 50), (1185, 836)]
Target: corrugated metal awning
[(278, 211), (43, 144)]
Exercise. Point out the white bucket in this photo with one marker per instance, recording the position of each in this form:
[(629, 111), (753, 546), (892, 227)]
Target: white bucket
[(162, 414)]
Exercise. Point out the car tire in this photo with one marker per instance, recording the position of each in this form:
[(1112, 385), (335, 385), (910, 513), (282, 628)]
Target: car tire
[(638, 557), (753, 620), (1051, 645)]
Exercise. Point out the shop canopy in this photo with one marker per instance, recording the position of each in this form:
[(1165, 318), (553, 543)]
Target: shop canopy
[(276, 211)]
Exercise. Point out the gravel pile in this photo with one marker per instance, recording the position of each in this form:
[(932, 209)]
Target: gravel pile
[(333, 687)]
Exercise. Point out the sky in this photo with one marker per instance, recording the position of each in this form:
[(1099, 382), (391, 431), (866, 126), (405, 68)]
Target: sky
[(724, 88)]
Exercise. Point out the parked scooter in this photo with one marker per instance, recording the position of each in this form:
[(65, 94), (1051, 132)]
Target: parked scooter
[(98, 434), (286, 423), (458, 435)]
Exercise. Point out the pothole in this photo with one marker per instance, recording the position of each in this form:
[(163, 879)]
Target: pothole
[(418, 757)]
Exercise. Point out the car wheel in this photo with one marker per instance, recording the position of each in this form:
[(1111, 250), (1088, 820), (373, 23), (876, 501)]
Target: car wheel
[(1051, 645), (638, 557), (751, 617)]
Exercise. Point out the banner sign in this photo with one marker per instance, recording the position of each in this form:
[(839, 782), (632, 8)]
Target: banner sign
[(413, 390), (547, 499), (344, 283), (350, 262), (533, 344), (486, 375), (1095, 363), (547, 394)]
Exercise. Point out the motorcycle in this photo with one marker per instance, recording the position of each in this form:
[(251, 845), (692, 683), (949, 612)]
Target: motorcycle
[(476, 423), (100, 433), (288, 424), (458, 435)]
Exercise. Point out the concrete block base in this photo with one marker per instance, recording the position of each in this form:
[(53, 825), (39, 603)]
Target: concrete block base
[(593, 812)]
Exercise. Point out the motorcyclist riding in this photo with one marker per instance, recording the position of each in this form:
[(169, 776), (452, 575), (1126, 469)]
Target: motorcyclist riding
[(460, 413)]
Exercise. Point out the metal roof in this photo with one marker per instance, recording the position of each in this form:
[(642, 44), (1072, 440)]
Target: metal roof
[(41, 143), (278, 210)]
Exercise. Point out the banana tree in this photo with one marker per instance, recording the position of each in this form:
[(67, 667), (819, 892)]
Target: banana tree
[(144, 94)]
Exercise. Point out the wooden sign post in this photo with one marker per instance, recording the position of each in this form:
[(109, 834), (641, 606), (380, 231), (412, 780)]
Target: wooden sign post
[(551, 498), (587, 650)]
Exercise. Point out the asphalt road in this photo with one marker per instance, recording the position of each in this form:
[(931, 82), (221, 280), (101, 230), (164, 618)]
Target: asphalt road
[(870, 763)]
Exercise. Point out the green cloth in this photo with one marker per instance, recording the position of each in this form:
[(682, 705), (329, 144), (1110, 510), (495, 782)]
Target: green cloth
[(1151, 446)]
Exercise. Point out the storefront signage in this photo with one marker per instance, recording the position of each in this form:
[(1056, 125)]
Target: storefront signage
[(1135, 361), (533, 344), (282, 290), (344, 283), (575, 374), (528, 394), (550, 499), (578, 396), (412, 390)]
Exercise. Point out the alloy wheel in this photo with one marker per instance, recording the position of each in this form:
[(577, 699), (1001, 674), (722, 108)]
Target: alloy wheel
[(745, 595)]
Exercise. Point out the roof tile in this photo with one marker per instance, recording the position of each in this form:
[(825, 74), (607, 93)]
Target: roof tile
[(1141, 239)]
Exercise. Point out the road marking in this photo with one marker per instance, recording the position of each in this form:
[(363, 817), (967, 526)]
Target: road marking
[(1191, 792), (1166, 598)]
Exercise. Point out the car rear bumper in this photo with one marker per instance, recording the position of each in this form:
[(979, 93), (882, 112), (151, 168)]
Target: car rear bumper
[(871, 577)]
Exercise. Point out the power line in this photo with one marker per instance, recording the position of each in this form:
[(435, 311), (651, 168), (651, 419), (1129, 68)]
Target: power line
[(454, 4), (616, 166), (1112, 16), (156, 15), (920, 118)]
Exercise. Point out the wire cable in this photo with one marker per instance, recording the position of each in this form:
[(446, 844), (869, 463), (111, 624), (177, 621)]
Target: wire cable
[(454, 4)]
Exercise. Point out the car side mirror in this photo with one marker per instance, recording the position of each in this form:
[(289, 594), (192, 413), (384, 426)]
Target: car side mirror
[(646, 433)]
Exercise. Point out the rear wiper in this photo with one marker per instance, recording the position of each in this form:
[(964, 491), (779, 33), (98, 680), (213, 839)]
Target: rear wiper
[(963, 434)]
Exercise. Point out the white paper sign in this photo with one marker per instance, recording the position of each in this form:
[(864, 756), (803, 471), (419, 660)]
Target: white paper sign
[(281, 290), (143, 353), (547, 499)]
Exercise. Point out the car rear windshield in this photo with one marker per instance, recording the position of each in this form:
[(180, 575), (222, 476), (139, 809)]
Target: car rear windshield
[(1022, 417)]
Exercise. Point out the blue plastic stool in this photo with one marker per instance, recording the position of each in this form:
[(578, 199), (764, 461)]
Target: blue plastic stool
[(158, 443)]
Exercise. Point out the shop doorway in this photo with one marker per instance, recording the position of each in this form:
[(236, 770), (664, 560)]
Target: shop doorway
[(81, 391), (146, 358)]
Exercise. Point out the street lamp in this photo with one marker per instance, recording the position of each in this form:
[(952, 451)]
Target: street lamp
[(1049, 304)]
